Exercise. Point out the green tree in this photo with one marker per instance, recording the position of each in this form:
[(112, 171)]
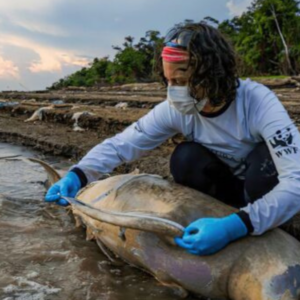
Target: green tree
[(134, 62), (267, 36)]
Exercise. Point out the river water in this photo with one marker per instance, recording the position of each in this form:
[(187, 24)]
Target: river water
[(43, 255)]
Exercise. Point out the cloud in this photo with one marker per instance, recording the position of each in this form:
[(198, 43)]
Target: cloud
[(8, 69), (50, 59), (53, 60), (45, 40), (237, 7), (39, 27), (27, 6)]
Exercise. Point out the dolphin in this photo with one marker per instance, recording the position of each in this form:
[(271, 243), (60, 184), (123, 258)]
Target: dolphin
[(134, 218)]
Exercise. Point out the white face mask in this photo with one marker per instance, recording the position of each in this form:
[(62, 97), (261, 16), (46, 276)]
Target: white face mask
[(179, 97)]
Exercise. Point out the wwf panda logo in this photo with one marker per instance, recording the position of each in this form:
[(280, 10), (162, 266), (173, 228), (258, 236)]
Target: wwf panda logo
[(282, 138)]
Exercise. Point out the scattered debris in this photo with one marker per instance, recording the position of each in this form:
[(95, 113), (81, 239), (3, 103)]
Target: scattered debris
[(5, 103), (57, 101), (38, 114), (76, 127), (76, 117), (75, 88), (29, 102), (154, 86), (122, 105), (28, 289)]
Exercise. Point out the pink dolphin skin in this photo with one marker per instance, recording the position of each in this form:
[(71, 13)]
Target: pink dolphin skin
[(253, 268)]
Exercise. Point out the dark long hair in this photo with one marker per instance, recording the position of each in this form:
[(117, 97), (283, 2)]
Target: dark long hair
[(213, 64)]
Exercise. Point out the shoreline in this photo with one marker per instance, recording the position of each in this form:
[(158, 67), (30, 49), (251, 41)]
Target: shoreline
[(52, 132)]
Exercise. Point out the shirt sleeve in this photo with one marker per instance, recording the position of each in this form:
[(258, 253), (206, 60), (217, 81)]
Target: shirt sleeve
[(270, 120), (146, 134)]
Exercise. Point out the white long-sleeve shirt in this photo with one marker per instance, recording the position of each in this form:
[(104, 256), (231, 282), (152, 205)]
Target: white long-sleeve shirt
[(256, 115)]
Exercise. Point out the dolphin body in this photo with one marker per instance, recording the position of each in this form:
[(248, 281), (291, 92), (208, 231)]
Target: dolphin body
[(253, 268)]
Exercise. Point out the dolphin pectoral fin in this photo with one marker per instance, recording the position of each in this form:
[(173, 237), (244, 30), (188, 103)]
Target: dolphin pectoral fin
[(109, 254), (176, 289), (179, 291), (164, 279)]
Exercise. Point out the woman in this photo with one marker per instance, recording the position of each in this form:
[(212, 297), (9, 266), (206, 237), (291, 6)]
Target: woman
[(242, 146)]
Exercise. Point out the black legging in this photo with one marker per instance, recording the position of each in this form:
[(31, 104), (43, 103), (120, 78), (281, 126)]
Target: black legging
[(195, 166)]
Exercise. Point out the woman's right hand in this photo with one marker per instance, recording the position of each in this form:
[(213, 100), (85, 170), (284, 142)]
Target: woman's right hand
[(68, 186)]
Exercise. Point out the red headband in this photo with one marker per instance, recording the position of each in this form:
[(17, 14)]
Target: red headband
[(172, 54)]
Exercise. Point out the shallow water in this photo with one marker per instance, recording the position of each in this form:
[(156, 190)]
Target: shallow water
[(43, 256)]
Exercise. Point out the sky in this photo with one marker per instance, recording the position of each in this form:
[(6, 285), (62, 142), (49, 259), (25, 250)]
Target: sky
[(42, 41)]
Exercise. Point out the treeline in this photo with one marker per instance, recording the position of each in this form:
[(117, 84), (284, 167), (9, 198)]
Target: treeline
[(132, 63), (266, 38)]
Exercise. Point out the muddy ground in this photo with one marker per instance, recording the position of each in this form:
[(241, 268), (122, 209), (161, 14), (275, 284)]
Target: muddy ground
[(53, 131)]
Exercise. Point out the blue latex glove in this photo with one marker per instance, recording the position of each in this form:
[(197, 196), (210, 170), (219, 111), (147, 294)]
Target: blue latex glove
[(68, 186), (209, 235)]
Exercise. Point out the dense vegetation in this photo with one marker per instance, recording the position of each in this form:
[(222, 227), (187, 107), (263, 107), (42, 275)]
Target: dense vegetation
[(266, 38)]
